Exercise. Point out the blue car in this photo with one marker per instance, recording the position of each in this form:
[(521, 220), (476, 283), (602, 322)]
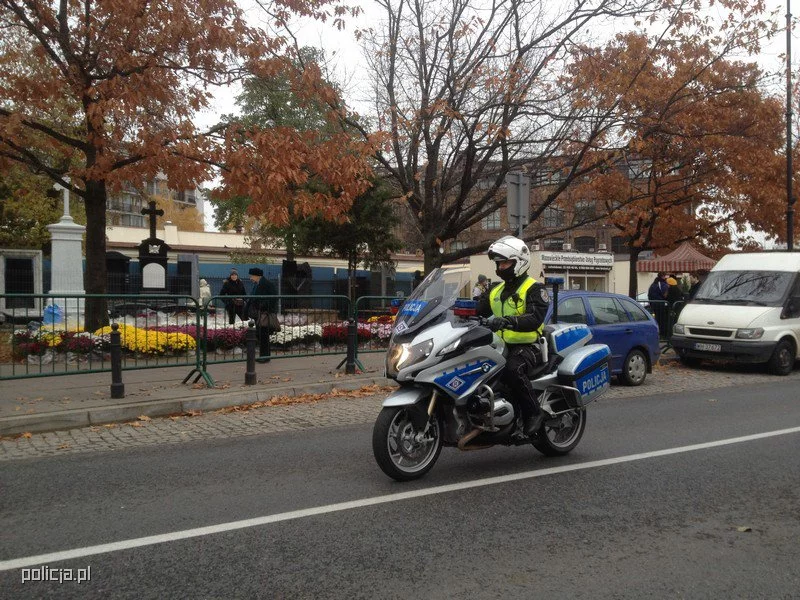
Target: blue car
[(619, 322)]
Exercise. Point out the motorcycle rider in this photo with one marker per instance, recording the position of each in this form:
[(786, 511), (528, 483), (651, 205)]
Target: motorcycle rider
[(518, 307)]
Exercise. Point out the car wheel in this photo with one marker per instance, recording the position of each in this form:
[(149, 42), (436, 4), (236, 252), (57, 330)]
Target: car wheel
[(782, 360), (634, 369)]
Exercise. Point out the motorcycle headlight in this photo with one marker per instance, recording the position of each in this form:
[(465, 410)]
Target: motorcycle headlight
[(404, 355), (749, 334), (679, 329)]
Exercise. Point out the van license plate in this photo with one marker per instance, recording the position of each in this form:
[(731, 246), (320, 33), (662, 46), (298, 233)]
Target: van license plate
[(708, 347)]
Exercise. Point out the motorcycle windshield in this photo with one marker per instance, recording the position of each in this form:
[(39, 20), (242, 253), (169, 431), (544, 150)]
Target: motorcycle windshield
[(435, 295)]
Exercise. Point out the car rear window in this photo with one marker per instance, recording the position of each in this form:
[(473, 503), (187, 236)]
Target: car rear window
[(607, 311), (636, 312)]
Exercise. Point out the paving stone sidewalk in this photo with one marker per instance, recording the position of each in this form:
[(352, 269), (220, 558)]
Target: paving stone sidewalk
[(67, 401), (325, 412)]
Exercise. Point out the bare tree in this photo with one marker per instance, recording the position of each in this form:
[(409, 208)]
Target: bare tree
[(464, 93)]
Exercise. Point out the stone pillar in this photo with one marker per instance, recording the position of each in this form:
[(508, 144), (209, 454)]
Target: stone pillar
[(66, 273)]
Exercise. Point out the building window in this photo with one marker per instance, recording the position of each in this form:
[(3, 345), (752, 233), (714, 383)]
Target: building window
[(491, 221), (553, 217), (554, 244), (585, 243), (456, 246), (585, 211), (619, 245)]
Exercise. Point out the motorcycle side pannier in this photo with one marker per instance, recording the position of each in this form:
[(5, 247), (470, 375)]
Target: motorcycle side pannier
[(587, 371)]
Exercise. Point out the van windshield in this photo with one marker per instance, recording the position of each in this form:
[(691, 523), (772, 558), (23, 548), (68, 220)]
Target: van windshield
[(746, 288)]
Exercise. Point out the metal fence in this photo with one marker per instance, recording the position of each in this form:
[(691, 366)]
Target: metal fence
[(310, 326), (44, 335), (47, 337)]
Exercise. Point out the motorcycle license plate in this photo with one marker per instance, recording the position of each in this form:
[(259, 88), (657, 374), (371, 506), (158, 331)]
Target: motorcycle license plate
[(708, 347)]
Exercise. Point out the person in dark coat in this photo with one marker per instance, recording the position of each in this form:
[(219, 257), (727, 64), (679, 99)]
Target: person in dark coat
[(256, 306), (657, 295), (234, 287)]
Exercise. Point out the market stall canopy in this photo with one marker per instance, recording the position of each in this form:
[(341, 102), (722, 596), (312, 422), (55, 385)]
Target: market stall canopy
[(685, 258)]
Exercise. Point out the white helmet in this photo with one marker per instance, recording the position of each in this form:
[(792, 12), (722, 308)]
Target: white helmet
[(511, 248)]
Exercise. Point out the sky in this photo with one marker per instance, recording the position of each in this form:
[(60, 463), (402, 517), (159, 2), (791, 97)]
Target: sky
[(348, 63)]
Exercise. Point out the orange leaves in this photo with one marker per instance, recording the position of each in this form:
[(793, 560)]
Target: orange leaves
[(273, 167)]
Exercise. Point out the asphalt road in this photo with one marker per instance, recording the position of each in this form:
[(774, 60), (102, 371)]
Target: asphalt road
[(657, 526)]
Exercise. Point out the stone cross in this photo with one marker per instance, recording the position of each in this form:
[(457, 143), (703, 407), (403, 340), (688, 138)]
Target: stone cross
[(152, 212), (65, 195)]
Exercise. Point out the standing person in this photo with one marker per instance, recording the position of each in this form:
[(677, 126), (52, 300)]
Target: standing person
[(257, 306), (205, 294), (481, 287), (234, 287), (674, 296), (657, 295), (518, 307), (674, 293)]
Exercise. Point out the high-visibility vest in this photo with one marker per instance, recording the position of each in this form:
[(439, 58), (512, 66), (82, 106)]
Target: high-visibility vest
[(509, 308)]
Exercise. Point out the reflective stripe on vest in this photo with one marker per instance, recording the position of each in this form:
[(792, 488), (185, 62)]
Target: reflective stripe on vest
[(509, 308)]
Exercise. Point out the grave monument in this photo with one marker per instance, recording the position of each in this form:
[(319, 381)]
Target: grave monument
[(66, 271), (153, 256)]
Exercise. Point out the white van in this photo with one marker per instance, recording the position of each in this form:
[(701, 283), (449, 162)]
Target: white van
[(747, 310)]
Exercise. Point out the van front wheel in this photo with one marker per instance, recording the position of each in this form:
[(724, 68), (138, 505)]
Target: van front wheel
[(782, 360)]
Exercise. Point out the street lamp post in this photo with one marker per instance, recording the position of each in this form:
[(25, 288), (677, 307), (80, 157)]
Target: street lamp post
[(789, 197)]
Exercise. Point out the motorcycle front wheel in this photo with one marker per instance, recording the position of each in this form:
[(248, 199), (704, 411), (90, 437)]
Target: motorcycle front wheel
[(560, 435), (403, 451)]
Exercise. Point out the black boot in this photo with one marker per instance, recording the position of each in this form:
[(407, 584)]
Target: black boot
[(533, 423)]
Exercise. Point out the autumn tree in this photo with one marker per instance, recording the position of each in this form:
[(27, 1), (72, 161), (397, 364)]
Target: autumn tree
[(28, 204), (105, 93), (364, 236), (465, 93), (186, 218), (693, 125)]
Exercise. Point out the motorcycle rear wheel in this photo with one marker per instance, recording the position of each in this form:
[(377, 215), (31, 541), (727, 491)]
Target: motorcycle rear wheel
[(401, 450), (561, 435)]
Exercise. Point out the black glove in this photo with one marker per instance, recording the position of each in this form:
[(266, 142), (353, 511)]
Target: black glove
[(498, 323)]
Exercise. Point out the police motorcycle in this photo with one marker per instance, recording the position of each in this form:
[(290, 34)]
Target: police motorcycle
[(448, 364)]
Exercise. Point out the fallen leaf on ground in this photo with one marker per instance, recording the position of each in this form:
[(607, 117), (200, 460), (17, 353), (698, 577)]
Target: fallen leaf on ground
[(110, 425), (144, 418), (99, 393), (18, 408), (63, 446), (192, 413), (26, 435), (134, 424), (198, 386), (744, 529)]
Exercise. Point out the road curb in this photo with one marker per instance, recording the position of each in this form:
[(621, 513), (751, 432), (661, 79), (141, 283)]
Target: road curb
[(130, 411)]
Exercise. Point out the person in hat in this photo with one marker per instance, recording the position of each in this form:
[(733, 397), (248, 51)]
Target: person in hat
[(256, 306), (234, 287), (481, 287)]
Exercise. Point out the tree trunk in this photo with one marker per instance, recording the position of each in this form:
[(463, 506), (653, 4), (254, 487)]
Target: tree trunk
[(633, 283), (96, 314), (431, 256)]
